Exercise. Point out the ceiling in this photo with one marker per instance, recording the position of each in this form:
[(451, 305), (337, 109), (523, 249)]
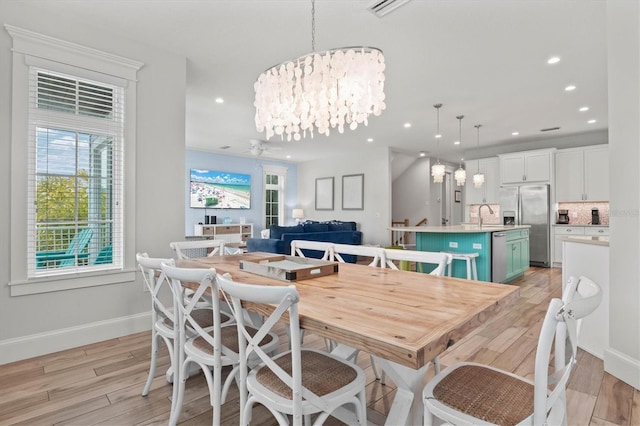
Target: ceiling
[(484, 59)]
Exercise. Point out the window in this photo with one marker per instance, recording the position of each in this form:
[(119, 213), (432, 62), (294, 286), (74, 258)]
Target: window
[(73, 125), (75, 179), (274, 195)]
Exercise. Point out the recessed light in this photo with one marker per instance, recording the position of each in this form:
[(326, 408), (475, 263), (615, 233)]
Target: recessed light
[(369, 139), (515, 133), (422, 154), (591, 121), (407, 125), (570, 88), (456, 143), (553, 60), (438, 136), (584, 108), (219, 100), (288, 156)]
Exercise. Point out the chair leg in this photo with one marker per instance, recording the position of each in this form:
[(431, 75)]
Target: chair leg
[(427, 417), (382, 376), (152, 365), (178, 394)]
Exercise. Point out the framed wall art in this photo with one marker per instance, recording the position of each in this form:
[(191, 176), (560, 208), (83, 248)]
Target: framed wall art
[(353, 192), (324, 193)]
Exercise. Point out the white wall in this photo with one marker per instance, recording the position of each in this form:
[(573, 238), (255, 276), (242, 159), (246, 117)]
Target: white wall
[(374, 220), (623, 46), (411, 192), (49, 322)]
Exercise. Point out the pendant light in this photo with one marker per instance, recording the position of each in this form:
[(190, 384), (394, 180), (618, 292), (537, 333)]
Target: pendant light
[(437, 170), (478, 178), (460, 174)]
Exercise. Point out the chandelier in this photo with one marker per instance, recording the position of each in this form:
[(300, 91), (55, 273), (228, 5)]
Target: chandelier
[(437, 170), (478, 178), (320, 90), (461, 174)]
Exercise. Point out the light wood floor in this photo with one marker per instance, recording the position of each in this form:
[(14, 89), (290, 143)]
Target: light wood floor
[(101, 383)]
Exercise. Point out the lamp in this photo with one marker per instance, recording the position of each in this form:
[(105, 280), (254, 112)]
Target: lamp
[(297, 214), (461, 174), (478, 178), (320, 90), (437, 170)]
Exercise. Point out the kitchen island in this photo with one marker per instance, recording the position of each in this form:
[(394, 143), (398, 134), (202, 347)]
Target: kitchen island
[(514, 255)]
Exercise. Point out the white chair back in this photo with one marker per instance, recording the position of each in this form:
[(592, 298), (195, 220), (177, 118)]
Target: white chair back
[(162, 316), (441, 260), (561, 325), (198, 248), (376, 253), (298, 245), (277, 382)]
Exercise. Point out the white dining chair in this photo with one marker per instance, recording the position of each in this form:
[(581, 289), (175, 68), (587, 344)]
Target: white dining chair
[(440, 259), (320, 247), (162, 318), (472, 394), (197, 248), (299, 382), (210, 348), (375, 253)]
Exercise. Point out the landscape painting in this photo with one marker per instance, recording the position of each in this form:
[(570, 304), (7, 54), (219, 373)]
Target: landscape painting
[(220, 190)]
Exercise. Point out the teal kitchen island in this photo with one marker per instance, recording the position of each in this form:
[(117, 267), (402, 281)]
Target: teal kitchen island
[(512, 255)]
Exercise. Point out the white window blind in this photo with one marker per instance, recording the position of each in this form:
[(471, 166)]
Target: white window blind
[(75, 188)]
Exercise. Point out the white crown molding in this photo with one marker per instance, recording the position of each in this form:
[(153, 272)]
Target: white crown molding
[(31, 43)]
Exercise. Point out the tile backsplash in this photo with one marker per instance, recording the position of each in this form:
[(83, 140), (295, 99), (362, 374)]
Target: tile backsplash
[(580, 213), (488, 218)]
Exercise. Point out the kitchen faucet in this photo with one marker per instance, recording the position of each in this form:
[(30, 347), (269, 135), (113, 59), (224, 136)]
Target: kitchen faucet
[(480, 213)]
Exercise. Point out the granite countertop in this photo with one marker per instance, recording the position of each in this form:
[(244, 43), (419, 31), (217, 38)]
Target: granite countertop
[(460, 228), (585, 239)]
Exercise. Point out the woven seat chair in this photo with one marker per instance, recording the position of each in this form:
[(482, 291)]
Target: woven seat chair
[(197, 248), (376, 253), (162, 316), (297, 247), (209, 348), (441, 260), (296, 383), (475, 394)]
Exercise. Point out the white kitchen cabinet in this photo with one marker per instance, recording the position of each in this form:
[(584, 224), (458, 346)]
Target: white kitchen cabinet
[(488, 192), (526, 167), (560, 230), (582, 174)]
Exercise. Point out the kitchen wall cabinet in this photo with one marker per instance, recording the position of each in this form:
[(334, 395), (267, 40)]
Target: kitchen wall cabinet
[(517, 253), (488, 192), (526, 167), (582, 174), (593, 231)]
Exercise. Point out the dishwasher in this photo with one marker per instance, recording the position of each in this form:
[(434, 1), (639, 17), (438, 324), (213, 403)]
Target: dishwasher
[(498, 256)]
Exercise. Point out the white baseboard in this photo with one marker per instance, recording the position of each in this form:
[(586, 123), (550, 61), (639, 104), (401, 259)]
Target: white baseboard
[(58, 340), (622, 366)]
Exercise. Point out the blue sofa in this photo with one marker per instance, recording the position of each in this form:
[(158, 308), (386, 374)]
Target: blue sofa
[(280, 237)]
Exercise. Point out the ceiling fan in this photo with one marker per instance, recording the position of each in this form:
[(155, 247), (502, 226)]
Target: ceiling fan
[(257, 147)]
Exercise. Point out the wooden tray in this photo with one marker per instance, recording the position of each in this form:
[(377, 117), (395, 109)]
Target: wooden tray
[(289, 268)]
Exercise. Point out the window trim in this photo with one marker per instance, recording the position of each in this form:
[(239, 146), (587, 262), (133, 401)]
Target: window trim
[(30, 48)]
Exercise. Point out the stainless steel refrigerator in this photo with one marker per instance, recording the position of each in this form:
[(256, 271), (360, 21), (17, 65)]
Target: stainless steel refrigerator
[(530, 206)]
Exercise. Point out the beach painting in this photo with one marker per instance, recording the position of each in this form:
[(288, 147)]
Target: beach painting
[(220, 190)]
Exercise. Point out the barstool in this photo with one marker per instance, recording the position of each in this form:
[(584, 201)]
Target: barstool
[(470, 259)]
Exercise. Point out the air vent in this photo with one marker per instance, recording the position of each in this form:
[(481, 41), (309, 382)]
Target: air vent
[(225, 147), (382, 7), (550, 129)]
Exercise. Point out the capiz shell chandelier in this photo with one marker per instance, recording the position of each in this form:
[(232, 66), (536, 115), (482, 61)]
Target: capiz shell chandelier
[(320, 91)]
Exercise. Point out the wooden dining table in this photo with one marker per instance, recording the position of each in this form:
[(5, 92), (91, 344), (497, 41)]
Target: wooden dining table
[(404, 319)]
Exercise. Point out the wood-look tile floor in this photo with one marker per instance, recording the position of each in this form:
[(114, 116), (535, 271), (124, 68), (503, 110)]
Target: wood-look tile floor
[(101, 383)]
